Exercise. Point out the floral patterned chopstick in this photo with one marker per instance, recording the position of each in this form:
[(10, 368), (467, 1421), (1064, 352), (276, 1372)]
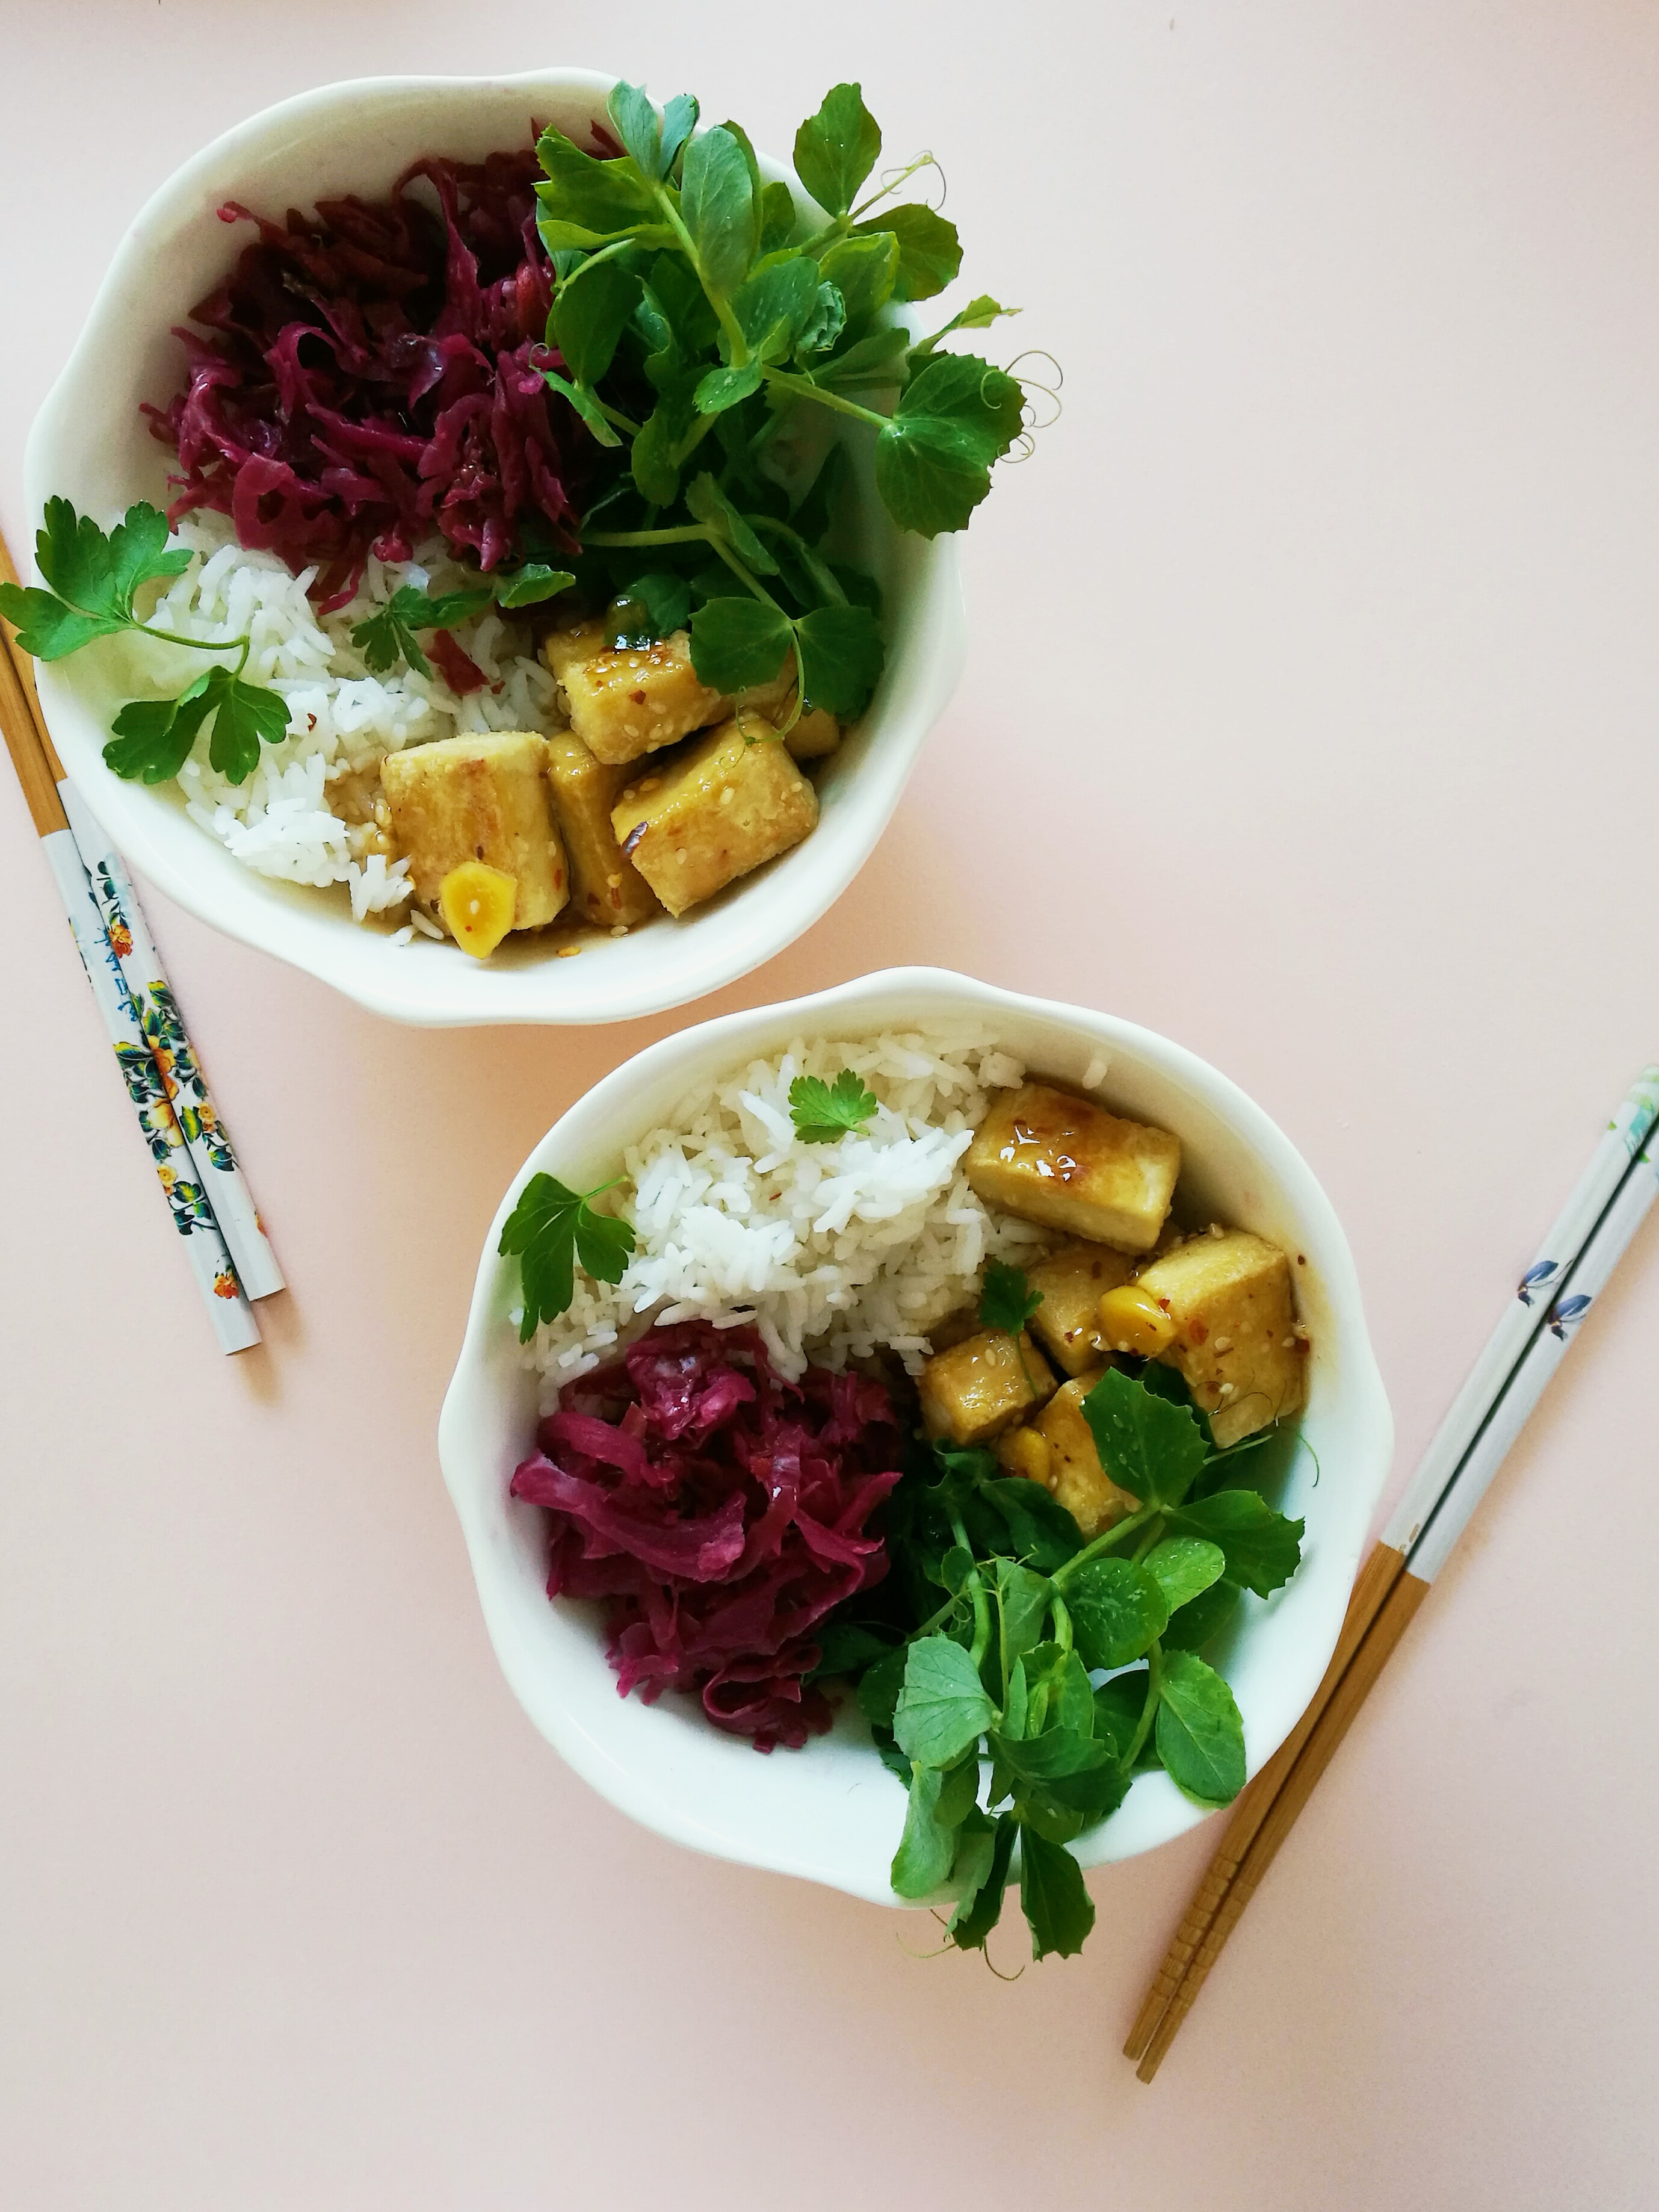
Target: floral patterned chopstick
[(191, 1211), (204, 1133)]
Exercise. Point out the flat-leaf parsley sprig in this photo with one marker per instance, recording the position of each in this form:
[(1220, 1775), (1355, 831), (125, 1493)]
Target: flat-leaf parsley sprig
[(551, 1229), (95, 578), (388, 635), (822, 1111)]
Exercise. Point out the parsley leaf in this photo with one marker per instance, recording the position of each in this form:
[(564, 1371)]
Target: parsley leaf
[(388, 635), (153, 738), (1006, 1301), (822, 1112), (551, 1229), (92, 578)]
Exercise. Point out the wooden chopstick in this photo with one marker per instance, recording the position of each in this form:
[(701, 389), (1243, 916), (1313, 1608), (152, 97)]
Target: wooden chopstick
[(1251, 1808), (1583, 1245)]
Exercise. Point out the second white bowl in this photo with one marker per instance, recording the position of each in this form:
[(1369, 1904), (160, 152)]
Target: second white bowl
[(831, 1813)]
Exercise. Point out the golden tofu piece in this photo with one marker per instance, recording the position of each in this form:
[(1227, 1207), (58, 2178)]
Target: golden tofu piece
[(815, 736), (1072, 1282), (605, 887), (628, 703), (1047, 1156), (479, 799), (1076, 1477), (982, 1386), (563, 648), (1237, 1346), (718, 809)]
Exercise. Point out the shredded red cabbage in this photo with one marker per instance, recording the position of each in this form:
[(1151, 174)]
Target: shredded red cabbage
[(721, 1512), (373, 373)]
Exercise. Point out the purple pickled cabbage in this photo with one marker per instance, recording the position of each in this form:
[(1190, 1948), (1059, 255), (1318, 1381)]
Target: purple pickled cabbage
[(372, 373), (719, 1513)]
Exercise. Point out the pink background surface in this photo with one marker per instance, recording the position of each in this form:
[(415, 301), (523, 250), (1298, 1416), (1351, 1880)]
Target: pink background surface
[(1310, 719)]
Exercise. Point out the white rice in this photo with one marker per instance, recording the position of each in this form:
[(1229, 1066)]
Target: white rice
[(833, 1251), (282, 822)]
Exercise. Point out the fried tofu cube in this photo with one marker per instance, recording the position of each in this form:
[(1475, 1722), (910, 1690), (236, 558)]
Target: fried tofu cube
[(1075, 1476), (1064, 1162), (605, 887), (815, 736), (479, 799), (982, 1386), (712, 813), (628, 703), (1237, 1346), (563, 648), (1067, 1323)]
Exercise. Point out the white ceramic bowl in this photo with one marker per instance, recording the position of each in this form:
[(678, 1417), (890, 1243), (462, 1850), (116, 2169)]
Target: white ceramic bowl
[(90, 445), (831, 1813)]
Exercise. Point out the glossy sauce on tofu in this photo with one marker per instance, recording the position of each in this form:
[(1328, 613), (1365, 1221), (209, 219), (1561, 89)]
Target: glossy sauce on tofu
[(1219, 1307)]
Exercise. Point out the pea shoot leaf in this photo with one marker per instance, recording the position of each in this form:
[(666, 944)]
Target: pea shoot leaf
[(1183, 1567), (718, 205), (979, 315), (836, 149), (1053, 1896), (735, 643), (726, 387), (778, 217), (591, 308), (773, 307), (942, 1709), (1201, 1619), (864, 271), (981, 1906), (526, 587), (842, 657), (1023, 1598), (587, 201), (711, 506), (551, 1229), (824, 322), (1056, 1751), (1201, 1736), (929, 250), (1118, 1611), (1262, 1548), (1118, 1705), (822, 1112), (933, 460), (653, 141), (922, 1860), (652, 606), (1148, 1445), (1006, 1301)]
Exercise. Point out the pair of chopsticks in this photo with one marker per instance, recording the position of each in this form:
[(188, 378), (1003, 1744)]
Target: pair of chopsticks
[(206, 1194), (1584, 1244)]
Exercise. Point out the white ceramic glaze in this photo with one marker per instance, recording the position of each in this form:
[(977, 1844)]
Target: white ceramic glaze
[(90, 444), (831, 1813)]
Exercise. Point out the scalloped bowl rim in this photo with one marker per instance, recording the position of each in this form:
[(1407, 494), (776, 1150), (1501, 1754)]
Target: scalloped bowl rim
[(831, 1814), (87, 443)]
